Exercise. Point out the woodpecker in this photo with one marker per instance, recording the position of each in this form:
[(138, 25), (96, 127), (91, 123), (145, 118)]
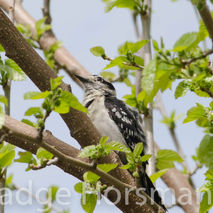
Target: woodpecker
[(115, 119)]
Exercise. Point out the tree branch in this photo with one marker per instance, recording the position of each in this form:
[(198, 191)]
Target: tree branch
[(207, 18), (147, 56)]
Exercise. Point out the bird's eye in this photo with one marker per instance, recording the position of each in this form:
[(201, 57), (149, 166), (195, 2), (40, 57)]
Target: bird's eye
[(100, 79)]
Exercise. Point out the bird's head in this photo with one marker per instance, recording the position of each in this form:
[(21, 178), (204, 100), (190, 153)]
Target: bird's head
[(97, 85)]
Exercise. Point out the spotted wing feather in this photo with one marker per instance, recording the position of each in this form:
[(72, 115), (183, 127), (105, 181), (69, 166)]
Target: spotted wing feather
[(127, 120)]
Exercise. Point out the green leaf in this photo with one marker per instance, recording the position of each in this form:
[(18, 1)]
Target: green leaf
[(195, 113), (119, 61), (98, 51), (9, 180), (138, 150), (34, 111), (148, 80), (55, 46), (1, 48), (205, 151), (207, 201), (157, 175), (117, 146), (36, 95), (186, 41), (25, 157), (145, 158), (7, 148), (182, 88), (41, 27), (43, 154), (88, 151), (103, 140), (3, 100), (130, 4), (16, 73), (30, 123), (51, 194), (79, 187), (69, 100), (131, 47), (88, 202), (138, 60), (108, 75), (127, 166), (165, 159), (90, 177), (106, 167), (155, 45), (55, 82), (6, 158)]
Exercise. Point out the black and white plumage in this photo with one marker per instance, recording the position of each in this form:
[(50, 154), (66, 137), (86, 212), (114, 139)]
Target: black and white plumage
[(115, 119)]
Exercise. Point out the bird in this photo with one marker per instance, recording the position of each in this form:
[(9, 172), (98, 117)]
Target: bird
[(114, 118)]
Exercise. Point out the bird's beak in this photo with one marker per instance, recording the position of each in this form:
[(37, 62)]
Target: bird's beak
[(82, 79)]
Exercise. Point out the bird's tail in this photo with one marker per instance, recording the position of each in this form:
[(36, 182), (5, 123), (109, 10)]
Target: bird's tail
[(150, 189)]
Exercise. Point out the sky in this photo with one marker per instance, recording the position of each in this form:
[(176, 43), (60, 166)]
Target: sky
[(81, 25)]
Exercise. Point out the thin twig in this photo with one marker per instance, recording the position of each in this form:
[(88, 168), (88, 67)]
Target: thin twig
[(172, 132), (188, 62), (46, 12), (45, 164), (194, 171), (43, 126), (132, 64)]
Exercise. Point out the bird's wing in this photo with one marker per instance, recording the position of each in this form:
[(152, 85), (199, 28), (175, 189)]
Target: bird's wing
[(127, 120)]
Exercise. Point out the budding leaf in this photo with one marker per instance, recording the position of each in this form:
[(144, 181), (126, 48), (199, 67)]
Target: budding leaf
[(43, 154), (186, 41), (138, 150), (3, 100), (157, 175), (98, 51), (117, 146), (90, 177), (182, 88), (88, 202), (36, 95), (79, 187), (25, 157), (55, 82), (51, 194), (195, 113), (106, 167)]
